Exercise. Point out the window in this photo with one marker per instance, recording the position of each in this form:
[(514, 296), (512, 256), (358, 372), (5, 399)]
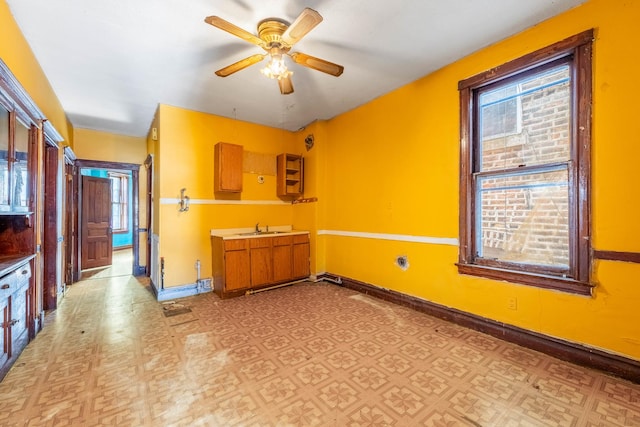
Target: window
[(525, 169), (119, 202)]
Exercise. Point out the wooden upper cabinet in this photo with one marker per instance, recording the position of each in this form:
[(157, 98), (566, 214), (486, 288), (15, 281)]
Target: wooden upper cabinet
[(228, 168), (15, 139), (290, 175)]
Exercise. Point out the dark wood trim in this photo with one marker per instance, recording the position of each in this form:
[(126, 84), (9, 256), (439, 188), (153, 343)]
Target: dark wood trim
[(537, 280), (100, 164), (560, 349), (148, 163), (583, 82), (531, 60), (466, 200), (576, 51), (137, 269), (50, 229), (135, 176), (617, 256)]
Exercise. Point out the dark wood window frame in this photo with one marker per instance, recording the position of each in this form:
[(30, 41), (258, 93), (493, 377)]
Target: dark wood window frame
[(578, 50)]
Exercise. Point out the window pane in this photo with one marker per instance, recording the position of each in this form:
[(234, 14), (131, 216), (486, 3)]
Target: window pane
[(20, 166), (500, 115), (526, 122), (524, 218), (116, 217), (4, 156), (115, 189)]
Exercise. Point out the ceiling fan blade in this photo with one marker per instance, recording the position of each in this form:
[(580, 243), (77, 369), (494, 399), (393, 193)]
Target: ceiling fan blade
[(317, 63), (286, 86), (240, 65), (305, 22), (227, 26)]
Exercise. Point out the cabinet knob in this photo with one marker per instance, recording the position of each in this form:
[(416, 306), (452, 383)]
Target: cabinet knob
[(25, 272), (5, 286)]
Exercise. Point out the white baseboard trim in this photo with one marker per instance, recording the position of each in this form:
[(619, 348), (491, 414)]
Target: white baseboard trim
[(182, 291)]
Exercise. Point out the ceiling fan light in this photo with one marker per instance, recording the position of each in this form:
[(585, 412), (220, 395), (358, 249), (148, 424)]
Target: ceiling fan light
[(276, 68)]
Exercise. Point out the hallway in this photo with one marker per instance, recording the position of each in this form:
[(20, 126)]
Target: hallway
[(306, 355)]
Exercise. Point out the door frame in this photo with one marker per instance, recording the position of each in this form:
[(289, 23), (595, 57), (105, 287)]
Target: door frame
[(137, 269), (148, 163), (50, 238), (70, 217)]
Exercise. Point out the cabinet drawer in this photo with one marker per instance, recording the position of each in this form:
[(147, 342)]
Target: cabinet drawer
[(17, 279), (300, 238), (235, 245), (260, 242), (8, 285), (282, 240), (23, 274)]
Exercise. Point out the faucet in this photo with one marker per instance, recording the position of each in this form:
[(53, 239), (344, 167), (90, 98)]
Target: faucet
[(257, 229)]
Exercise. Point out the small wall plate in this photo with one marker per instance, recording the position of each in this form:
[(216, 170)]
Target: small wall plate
[(260, 179)]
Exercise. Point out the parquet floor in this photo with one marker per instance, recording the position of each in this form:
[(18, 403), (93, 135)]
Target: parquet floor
[(305, 355)]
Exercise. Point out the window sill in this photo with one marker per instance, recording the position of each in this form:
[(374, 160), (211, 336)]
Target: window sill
[(537, 280)]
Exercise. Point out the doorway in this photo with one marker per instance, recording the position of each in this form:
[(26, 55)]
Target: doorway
[(128, 254)]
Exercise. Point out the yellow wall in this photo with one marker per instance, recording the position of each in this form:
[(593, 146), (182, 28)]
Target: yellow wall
[(185, 159), (394, 169), (17, 55), (109, 147), (308, 216)]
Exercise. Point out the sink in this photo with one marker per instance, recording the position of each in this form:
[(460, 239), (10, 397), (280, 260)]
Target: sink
[(260, 233)]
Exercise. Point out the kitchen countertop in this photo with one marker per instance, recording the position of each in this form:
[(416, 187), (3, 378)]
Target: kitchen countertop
[(10, 263), (249, 233)]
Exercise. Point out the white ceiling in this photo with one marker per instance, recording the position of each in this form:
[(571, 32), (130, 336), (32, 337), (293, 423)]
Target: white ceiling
[(112, 62)]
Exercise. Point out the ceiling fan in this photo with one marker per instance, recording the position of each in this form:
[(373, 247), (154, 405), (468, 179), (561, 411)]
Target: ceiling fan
[(277, 37)]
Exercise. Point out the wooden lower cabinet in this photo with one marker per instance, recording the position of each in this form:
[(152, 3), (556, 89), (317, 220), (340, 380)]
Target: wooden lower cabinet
[(14, 315), (300, 256), (261, 261), (282, 258), (237, 275), (240, 265)]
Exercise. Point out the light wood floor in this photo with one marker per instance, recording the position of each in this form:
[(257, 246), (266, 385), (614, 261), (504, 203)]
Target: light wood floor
[(305, 355)]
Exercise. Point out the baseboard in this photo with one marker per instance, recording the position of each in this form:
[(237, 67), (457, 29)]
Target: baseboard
[(564, 350), (182, 291), (140, 270)]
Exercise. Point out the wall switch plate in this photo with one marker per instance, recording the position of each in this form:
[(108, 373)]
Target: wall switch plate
[(512, 303)]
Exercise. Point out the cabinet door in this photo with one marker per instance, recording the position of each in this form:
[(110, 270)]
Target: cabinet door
[(261, 262), (301, 260), (4, 159), (5, 332), (20, 168), (282, 258), (19, 336), (228, 167), (237, 270)]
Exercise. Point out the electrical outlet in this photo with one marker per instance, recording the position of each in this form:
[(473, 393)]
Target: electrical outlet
[(512, 303)]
